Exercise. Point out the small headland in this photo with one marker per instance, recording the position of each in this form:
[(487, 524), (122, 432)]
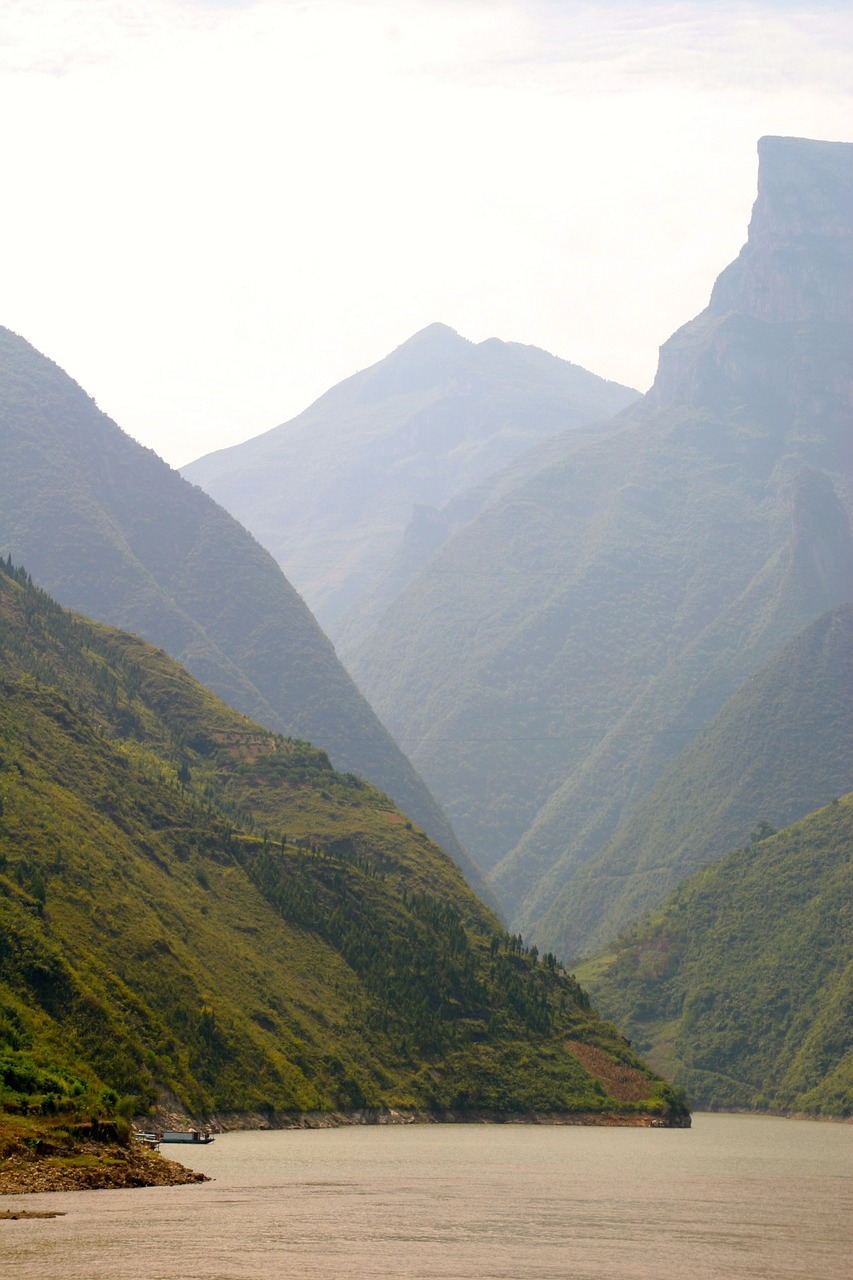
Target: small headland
[(37, 1154)]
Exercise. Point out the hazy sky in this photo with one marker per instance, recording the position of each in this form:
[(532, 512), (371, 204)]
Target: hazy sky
[(213, 210)]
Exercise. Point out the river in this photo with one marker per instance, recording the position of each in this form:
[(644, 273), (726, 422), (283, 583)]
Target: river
[(735, 1197)]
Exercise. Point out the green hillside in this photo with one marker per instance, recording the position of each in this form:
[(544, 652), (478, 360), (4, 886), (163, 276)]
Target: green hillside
[(781, 746), (740, 985), (194, 907), (110, 530)]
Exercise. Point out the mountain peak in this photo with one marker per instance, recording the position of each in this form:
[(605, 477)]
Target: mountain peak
[(433, 335), (794, 271), (419, 362), (805, 187), (797, 261)]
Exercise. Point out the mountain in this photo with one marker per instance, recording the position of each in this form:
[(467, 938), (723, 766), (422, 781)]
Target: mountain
[(740, 985), (110, 530), (429, 527), (780, 747), (558, 652), (195, 909), (331, 492)]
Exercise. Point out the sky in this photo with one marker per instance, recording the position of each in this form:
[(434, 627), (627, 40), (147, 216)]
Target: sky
[(214, 210)]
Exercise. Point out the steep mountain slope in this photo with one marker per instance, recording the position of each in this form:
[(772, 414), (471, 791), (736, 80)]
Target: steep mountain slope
[(331, 492), (112, 531), (559, 651), (429, 528), (780, 747), (192, 904), (740, 985)]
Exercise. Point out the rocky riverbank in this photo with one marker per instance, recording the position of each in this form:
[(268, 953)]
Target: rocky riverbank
[(226, 1121), (53, 1158)]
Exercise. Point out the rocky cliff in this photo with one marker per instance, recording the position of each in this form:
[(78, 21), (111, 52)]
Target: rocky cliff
[(797, 264), (775, 340)]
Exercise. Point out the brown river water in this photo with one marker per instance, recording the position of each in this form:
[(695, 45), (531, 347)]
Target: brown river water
[(735, 1196)]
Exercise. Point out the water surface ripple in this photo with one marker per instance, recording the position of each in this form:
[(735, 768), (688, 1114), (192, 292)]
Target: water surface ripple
[(735, 1196)]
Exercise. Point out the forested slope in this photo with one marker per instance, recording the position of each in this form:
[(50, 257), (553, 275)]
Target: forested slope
[(193, 907), (740, 985)]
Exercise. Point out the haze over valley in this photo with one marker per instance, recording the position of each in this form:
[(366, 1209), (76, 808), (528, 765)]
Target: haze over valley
[(601, 654), (556, 826)]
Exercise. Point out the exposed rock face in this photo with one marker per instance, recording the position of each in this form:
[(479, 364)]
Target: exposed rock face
[(797, 264), (796, 271), (87, 1166)]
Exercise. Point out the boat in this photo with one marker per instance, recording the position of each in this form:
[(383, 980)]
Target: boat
[(185, 1135)]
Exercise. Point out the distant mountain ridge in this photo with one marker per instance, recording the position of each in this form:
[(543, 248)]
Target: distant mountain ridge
[(558, 652), (331, 492), (113, 532)]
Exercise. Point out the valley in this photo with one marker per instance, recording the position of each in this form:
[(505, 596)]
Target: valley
[(559, 832)]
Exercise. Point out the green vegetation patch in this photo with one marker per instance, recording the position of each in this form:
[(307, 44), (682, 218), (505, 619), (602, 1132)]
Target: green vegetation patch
[(740, 986), (192, 905)]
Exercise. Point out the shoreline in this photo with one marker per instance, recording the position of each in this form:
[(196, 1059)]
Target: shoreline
[(29, 1169), (226, 1122), (94, 1166), (36, 1166)]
